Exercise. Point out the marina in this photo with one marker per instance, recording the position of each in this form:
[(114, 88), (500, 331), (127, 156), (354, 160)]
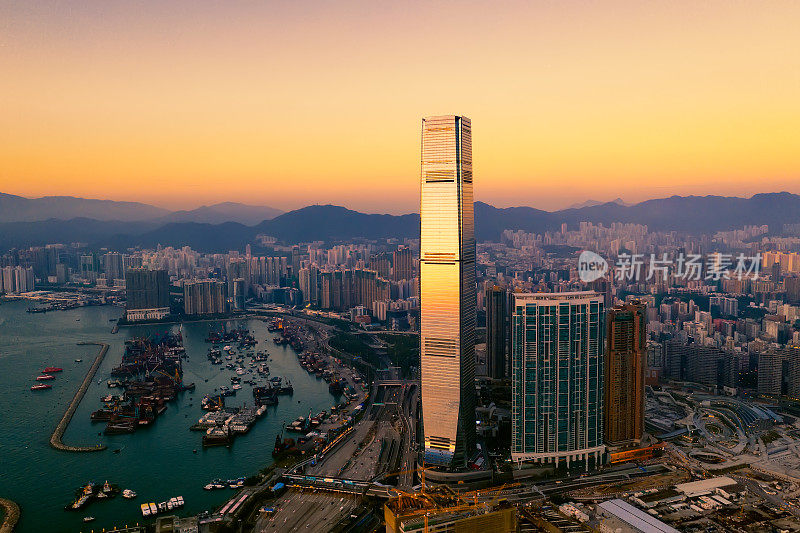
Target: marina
[(35, 341)]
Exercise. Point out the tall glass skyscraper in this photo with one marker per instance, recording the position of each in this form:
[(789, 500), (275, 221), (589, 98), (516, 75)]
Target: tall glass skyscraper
[(447, 290), (557, 345)]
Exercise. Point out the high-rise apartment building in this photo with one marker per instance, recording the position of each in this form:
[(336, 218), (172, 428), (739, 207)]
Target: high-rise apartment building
[(625, 362), (402, 264), (447, 290), (205, 297), (557, 342), (147, 294), (497, 326)]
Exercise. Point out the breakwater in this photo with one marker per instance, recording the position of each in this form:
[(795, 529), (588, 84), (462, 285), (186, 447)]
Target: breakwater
[(10, 517), (58, 433)]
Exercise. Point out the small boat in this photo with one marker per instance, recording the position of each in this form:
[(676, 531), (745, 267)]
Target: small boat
[(153, 508), (53, 369), (78, 360), (42, 386), (128, 494), (88, 518), (45, 377), (145, 507)]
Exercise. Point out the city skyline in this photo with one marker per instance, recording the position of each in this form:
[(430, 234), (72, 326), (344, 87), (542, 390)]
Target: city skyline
[(654, 101)]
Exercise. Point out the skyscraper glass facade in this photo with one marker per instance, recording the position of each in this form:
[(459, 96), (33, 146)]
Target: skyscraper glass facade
[(557, 377), (447, 290)]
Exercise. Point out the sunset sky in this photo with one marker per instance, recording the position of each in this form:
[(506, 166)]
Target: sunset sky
[(286, 103)]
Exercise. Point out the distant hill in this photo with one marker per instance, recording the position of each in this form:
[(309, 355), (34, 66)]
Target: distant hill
[(18, 209), (86, 230), (691, 214), (249, 215), (695, 214), (331, 222), (591, 203)]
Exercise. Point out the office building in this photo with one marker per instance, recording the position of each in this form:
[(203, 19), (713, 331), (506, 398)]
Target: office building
[(557, 344), (625, 362), (147, 294), (447, 291), (497, 325)]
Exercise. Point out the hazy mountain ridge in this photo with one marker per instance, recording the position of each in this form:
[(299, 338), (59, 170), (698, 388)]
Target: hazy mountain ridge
[(248, 215), (692, 214), (20, 209)]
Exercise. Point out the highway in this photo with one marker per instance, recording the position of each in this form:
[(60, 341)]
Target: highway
[(307, 510)]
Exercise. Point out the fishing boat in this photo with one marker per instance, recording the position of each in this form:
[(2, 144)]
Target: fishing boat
[(45, 377), (53, 369), (42, 386)]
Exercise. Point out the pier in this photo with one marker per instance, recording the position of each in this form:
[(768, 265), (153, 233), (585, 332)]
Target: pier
[(55, 438), (11, 515)]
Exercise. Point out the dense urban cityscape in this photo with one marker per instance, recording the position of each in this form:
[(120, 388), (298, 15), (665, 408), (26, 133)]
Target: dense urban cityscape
[(400, 267), (600, 378)]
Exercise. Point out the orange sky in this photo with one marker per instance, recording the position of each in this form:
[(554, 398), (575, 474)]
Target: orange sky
[(290, 103)]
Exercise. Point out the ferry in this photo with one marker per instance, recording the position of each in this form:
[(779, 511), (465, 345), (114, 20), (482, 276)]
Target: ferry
[(53, 369), (42, 386), (45, 377)]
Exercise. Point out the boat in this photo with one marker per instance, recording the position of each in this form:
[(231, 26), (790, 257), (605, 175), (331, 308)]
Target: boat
[(41, 386), (78, 360), (53, 369), (88, 518), (128, 494), (153, 508), (145, 509), (162, 507), (45, 377)]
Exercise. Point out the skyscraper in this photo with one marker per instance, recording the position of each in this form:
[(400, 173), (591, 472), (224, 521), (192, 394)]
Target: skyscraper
[(147, 294), (447, 290), (557, 344), (402, 264), (625, 362), (496, 331)]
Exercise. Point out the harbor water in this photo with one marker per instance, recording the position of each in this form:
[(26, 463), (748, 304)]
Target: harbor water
[(157, 462)]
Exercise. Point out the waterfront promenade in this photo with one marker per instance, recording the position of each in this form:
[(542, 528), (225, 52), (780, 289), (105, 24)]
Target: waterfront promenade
[(11, 513), (55, 438)]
